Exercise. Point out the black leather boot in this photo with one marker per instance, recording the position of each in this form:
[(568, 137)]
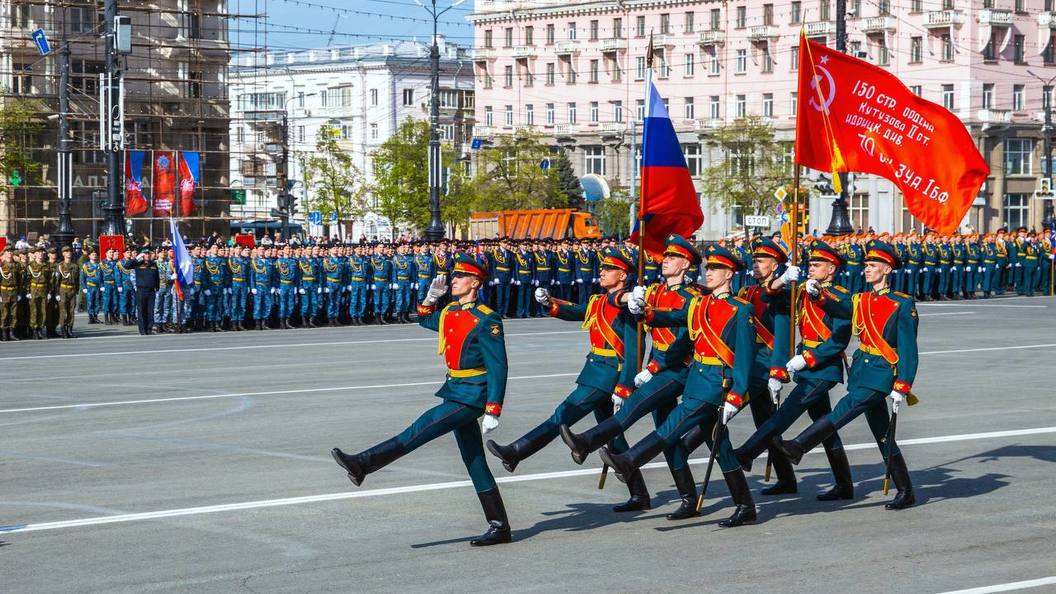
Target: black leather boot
[(756, 444), (360, 465), (805, 441), (591, 439), (744, 513), (900, 475), (687, 492), (533, 441), (693, 439), (627, 463), (640, 499), (499, 525), (841, 470)]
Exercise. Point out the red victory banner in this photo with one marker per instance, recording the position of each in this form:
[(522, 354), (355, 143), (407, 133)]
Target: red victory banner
[(853, 116), (164, 184)]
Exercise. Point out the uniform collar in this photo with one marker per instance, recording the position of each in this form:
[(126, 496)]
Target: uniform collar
[(883, 291), (724, 295), (826, 284)]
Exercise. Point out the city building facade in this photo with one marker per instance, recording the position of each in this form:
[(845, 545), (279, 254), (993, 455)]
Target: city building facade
[(363, 92), (575, 72)]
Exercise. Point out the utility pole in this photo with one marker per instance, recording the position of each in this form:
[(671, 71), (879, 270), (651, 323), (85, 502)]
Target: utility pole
[(284, 193), (118, 41), (840, 224), (435, 232), (64, 172)]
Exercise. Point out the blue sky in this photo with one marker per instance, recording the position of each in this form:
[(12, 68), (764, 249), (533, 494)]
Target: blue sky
[(295, 24)]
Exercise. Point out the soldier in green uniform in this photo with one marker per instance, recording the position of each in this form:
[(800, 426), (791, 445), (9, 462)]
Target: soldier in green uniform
[(38, 286), (884, 366), (67, 280), (51, 307), (10, 293), (473, 345)]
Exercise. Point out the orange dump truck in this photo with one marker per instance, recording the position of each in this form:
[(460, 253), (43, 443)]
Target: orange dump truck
[(548, 223)]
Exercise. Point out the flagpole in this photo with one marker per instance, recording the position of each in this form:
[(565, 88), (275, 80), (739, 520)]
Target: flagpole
[(642, 193)]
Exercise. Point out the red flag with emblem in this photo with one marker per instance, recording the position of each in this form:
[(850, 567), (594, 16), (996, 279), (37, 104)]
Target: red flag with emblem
[(854, 116)]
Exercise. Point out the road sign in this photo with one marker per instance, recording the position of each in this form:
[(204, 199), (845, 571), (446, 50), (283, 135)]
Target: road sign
[(544, 164), (757, 221), (476, 143), (238, 197), (315, 217), (15, 179), (780, 194), (333, 216), (42, 42)]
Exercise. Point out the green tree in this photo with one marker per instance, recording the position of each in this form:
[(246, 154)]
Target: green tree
[(754, 165), (614, 213), (509, 176), (567, 181), (20, 123), (334, 184)]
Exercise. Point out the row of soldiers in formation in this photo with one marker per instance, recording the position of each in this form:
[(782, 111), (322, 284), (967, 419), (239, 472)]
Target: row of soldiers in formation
[(38, 293), (714, 351)]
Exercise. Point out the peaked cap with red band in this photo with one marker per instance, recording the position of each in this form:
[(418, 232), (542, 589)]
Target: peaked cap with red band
[(467, 264)]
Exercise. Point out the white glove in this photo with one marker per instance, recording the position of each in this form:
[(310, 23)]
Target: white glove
[(173, 277), (437, 289), (274, 291), (326, 290), (813, 287), (896, 399), (102, 289), (516, 282), (797, 363), (953, 269), (579, 281), (967, 268), (774, 386), (617, 402), (635, 306), (119, 290), (348, 288), (1018, 265), (925, 269), (553, 282), (542, 296), (728, 412), (319, 291), (790, 275), (535, 283), (254, 291), (643, 376), (490, 423), (301, 291), (207, 292), (370, 287), (638, 293)]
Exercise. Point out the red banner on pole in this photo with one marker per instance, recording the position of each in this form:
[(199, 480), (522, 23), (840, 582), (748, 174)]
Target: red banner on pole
[(111, 242), (164, 182), (854, 116)]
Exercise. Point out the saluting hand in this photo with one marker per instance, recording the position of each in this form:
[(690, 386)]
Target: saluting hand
[(437, 289), (542, 296)]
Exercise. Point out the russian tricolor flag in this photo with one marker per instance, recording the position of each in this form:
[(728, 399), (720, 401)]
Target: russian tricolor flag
[(669, 201), (181, 262)]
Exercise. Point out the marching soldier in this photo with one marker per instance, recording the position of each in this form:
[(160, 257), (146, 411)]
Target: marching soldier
[(474, 348), (51, 307), (606, 375), (884, 366), (238, 275), (67, 276), (720, 326)]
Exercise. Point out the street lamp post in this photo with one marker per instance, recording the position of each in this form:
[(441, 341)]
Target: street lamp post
[(435, 231), (285, 198)]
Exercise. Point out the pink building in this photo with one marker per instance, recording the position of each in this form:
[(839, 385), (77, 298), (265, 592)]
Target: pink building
[(575, 71)]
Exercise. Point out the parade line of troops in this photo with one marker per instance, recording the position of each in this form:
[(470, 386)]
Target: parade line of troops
[(284, 286)]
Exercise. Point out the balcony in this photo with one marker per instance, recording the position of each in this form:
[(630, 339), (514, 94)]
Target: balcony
[(611, 128), (712, 38), (937, 19), (524, 51), (994, 115), (663, 40), (483, 53), (566, 129), (1047, 19), (566, 48), (613, 44), (996, 17), (707, 125), (819, 28), (879, 24), (762, 32)]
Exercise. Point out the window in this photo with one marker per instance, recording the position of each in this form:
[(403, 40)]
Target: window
[(1018, 46), (947, 96), (82, 19), (883, 7), (714, 65), (665, 23), (689, 112), (550, 74), (639, 68), (639, 109), (916, 50), (989, 54), (550, 34), (194, 84), (694, 159), (529, 114), (594, 160), (916, 6), (1048, 56), (1017, 97), (570, 73), (508, 115), (529, 35), (768, 105), (20, 15), (594, 71), (373, 131), (572, 31), (883, 55), (594, 30), (741, 62), (507, 40), (1018, 156), (665, 69), (824, 10), (742, 106), (742, 17), (487, 38), (507, 76), (617, 111), (572, 112), (690, 66), (988, 95), (617, 28), (550, 114), (859, 211), (793, 64), (768, 60), (947, 48), (768, 14), (346, 131), (489, 118), (716, 19), (797, 13), (594, 115), (639, 26), (373, 96), (687, 23), (713, 107), (1016, 210), (793, 103)]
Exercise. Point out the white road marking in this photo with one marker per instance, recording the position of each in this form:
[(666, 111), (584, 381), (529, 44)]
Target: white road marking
[(263, 346), (287, 501), (946, 313), (970, 304), (1009, 587)]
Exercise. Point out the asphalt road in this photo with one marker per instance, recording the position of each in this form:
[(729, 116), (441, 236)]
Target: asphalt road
[(200, 463)]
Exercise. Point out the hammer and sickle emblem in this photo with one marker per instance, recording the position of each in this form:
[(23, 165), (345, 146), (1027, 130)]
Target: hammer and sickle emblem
[(826, 98)]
